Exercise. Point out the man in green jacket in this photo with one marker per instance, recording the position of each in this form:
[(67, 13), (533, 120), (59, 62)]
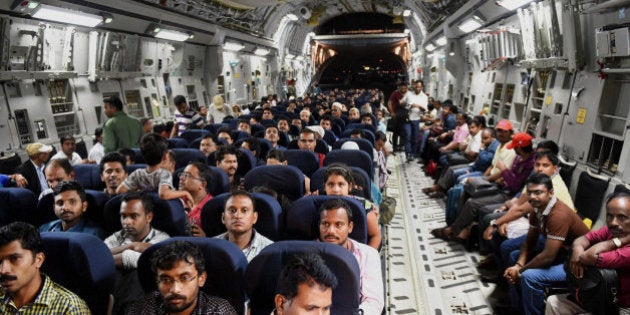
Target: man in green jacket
[(120, 131)]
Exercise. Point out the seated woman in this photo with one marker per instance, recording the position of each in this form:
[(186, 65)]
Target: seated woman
[(338, 181)]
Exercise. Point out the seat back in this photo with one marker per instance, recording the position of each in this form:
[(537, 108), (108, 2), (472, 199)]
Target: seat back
[(45, 210), (268, 208), (213, 128), (329, 137), (195, 144), (220, 181), (81, 148), (96, 205), (359, 175), (83, 264), (168, 215), (246, 162), (364, 145), (356, 157), (284, 179), (225, 265), (320, 146), (302, 218), (306, 161), (256, 128), (23, 205), (88, 175), (192, 134), (184, 156), (352, 126), (9, 163), (263, 271), (566, 170), (367, 134), (133, 167), (177, 143), (589, 196), (138, 156)]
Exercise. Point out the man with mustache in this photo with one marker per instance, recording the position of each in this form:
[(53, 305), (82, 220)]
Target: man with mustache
[(532, 270), (239, 218), (335, 225), (607, 247), (126, 245), (227, 160), (180, 271), (113, 171), (25, 290)]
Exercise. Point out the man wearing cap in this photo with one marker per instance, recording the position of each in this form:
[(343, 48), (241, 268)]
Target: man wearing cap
[(120, 131), (33, 169)]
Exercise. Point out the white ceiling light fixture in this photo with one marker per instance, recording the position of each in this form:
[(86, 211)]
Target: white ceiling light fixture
[(513, 4), (289, 56), (407, 13), (470, 24), (292, 17), (171, 34), (261, 52), (232, 46), (430, 47), (441, 41), (62, 15)]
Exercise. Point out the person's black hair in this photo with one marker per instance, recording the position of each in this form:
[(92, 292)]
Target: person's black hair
[(204, 172), (307, 267), (227, 129), (548, 145), (326, 116), (63, 163), (241, 193), (276, 154), (528, 149), (144, 120), (127, 152), (67, 138), (179, 99), (70, 186), (379, 135), (27, 234), (113, 157), (171, 155), (168, 126), (168, 255), (245, 121), (615, 195), (540, 179), (153, 148), (97, 132), (336, 203), (115, 101), (491, 131), (254, 145), (550, 156), (308, 131), (147, 203), (341, 170), (419, 81), (357, 131), (479, 120), (224, 150)]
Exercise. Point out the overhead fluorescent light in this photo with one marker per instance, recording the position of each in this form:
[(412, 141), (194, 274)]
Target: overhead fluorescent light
[(61, 15), (289, 56), (299, 58), (171, 35), (261, 52), (292, 17), (441, 41), (513, 4), (231, 46), (430, 47), (470, 25), (407, 31), (407, 13)]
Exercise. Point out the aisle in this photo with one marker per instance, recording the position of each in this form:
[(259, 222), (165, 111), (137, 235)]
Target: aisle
[(426, 275)]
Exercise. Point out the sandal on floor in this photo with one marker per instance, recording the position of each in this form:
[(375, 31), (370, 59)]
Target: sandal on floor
[(427, 190), (441, 234), (437, 195)]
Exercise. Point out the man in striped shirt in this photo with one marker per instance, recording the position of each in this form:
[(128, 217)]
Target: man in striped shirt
[(185, 117)]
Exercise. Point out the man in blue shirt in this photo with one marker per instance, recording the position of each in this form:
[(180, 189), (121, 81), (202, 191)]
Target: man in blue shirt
[(70, 206)]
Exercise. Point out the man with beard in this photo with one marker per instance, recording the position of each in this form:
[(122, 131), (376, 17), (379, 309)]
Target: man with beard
[(607, 247), (227, 160), (25, 290), (180, 271), (113, 171), (335, 225)]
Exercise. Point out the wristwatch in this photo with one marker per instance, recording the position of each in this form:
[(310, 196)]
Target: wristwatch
[(493, 223), (617, 242)]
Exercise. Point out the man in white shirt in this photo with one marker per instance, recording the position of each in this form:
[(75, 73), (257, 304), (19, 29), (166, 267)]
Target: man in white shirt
[(98, 151), (416, 102), (68, 147)]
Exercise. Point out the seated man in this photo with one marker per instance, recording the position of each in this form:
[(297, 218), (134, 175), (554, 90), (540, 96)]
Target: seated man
[(57, 171), (208, 145), (180, 272), (70, 206), (113, 171), (227, 160), (126, 245), (239, 217), (195, 179), (305, 285), (334, 227), (25, 290), (272, 133), (608, 247), (307, 142), (68, 147), (531, 270)]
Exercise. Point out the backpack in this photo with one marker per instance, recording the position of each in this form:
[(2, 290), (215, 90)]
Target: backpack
[(387, 209), (596, 292)]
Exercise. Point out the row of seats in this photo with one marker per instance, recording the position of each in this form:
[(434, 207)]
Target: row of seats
[(91, 272)]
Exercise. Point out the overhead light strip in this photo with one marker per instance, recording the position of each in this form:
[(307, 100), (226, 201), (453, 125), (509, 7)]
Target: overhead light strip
[(172, 35), (513, 4), (232, 46), (62, 15)]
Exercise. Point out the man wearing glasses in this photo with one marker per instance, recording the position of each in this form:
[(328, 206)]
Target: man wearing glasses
[(181, 271), (195, 180)]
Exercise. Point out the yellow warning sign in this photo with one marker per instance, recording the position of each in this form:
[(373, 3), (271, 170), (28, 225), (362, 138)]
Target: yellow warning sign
[(548, 100), (581, 116)]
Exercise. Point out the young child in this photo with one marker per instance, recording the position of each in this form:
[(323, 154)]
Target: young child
[(153, 148)]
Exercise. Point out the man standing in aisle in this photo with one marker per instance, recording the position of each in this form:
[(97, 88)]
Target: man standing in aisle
[(120, 131)]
